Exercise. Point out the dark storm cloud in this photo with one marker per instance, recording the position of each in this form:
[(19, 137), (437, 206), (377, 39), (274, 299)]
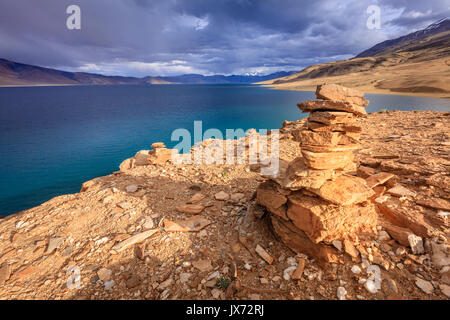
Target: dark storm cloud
[(173, 37)]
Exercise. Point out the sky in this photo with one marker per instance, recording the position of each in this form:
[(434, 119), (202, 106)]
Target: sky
[(171, 37)]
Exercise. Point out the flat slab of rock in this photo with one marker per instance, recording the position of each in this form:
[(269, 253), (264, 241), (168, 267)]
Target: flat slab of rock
[(323, 221), (398, 233), (264, 254), (269, 197), (397, 214), (339, 127), (157, 145), (331, 117), (425, 286), (133, 240), (192, 224), (191, 208), (203, 265), (131, 188), (401, 191), (196, 198), (297, 240), (222, 196), (345, 190), (336, 92), (327, 160), (378, 178), (435, 203), (317, 105), (5, 273)]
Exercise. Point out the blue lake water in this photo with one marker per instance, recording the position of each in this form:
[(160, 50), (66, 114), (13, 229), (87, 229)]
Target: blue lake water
[(52, 139)]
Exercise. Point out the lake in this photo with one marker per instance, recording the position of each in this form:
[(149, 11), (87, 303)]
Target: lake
[(52, 139)]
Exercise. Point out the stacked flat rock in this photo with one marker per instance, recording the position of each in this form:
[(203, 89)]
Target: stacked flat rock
[(315, 199)]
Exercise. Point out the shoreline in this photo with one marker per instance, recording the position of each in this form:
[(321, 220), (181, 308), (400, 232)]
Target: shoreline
[(269, 86), (369, 91)]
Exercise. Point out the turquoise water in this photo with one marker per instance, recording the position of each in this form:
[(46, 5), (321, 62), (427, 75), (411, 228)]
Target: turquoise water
[(52, 139)]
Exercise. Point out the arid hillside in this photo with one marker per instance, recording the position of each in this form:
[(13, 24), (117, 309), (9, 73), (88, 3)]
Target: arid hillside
[(414, 66), (166, 231)]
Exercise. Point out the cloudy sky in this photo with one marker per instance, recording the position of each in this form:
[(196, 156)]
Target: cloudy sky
[(171, 37)]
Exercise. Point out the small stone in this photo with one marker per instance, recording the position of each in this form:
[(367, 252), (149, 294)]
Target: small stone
[(104, 274), (236, 197), (196, 198), (287, 273), (263, 253), (416, 244), (124, 205), (5, 273), (424, 285), (400, 251), (216, 293), (350, 249), (164, 285), (222, 196), (191, 208), (131, 188), (401, 191), (148, 224), (276, 279), (264, 280), (247, 266), (392, 285), (383, 236), (184, 277), (53, 244), (213, 275), (133, 282), (356, 269), (203, 265), (297, 275), (158, 145), (341, 293), (445, 289), (109, 285), (203, 234), (192, 224), (337, 244)]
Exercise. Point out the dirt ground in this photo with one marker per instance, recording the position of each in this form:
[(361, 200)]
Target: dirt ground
[(91, 234)]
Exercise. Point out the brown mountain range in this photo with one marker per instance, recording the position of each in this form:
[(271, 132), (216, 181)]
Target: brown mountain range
[(415, 64)]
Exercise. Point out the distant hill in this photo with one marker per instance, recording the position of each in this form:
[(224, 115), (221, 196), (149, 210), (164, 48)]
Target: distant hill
[(14, 73), (198, 78), (418, 64), (402, 42)]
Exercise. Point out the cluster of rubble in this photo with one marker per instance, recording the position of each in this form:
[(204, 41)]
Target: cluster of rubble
[(160, 230), (158, 155)]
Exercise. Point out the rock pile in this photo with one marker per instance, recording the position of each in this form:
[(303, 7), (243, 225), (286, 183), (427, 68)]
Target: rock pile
[(159, 155), (316, 198)]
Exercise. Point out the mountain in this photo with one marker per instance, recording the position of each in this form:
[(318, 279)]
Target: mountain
[(396, 44), (416, 64), (198, 78), (14, 73)]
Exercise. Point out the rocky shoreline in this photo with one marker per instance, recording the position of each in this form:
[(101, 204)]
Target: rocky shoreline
[(164, 231)]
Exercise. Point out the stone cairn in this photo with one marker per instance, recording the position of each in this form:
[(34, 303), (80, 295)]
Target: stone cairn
[(316, 199)]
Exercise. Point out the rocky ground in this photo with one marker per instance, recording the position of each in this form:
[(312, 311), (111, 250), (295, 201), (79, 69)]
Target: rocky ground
[(166, 231)]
